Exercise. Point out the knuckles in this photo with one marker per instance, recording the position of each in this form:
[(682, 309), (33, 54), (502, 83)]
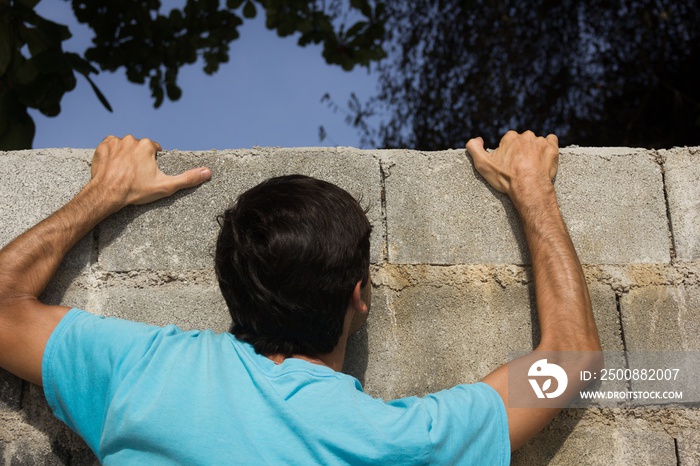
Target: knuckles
[(112, 144)]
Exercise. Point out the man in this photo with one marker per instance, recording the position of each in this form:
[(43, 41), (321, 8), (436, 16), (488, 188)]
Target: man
[(293, 263)]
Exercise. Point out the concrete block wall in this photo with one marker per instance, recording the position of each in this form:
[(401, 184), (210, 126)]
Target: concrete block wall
[(452, 286)]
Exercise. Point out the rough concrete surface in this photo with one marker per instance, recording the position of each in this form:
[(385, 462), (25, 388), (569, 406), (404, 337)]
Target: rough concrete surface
[(179, 233), (188, 306), (439, 211), (613, 205), (688, 443), (37, 183), (10, 391), (682, 168), (662, 318), (626, 442), (452, 289)]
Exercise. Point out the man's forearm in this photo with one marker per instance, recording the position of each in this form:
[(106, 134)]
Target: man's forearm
[(28, 263), (124, 171), (563, 303), (523, 166)]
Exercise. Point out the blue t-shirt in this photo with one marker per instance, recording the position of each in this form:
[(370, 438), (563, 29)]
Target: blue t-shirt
[(140, 394)]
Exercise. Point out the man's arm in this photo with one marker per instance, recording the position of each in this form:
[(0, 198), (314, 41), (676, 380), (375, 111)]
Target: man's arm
[(523, 167), (124, 171)]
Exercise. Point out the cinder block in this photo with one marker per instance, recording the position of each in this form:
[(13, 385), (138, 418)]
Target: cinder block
[(30, 453), (84, 457), (607, 319), (34, 451), (662, 318), (661, 326), (439, 211), (683, 188), (689, 447), (38, 414), (51, 437), (68, 289), (367, 362), (612, 201), (36, 184), (565, 444), (187, 306), (10, 391), (62, 440), (179, 233), (428, 337)]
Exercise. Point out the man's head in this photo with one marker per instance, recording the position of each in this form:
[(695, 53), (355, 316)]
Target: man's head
[(288, 257)]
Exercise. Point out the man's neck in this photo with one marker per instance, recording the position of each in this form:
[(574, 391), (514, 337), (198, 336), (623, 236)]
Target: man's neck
[(334, 359)]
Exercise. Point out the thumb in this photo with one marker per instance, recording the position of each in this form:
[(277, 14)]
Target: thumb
[(485, 165), (553, 140), (188, 179), (475, 147), (192, 178)]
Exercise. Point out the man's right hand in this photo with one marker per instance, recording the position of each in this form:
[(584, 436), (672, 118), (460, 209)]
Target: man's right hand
[(523, 166), (521, 163)]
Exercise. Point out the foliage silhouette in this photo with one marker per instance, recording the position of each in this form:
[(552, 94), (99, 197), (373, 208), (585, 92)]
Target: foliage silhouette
[(152, 46), (617, 73)]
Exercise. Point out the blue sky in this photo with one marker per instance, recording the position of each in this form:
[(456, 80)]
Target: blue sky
[(268, 94)]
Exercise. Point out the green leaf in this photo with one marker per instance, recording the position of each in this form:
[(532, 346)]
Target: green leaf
[(79, 64), (379, 10), (286, 28), (176, 17), (51, 110), (363, 6), (28, 3), (99, 93), (35, 39), (17, 136), (26, 73), (356, 28), (19, 131), (173, 91), (249, 10), (156, 89), (51, 61)]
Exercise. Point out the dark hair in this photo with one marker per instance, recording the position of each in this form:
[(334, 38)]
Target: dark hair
[(288, 256)]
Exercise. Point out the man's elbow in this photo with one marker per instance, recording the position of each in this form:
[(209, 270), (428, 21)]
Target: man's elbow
[(10, 301), (581, 352), (593, 361)]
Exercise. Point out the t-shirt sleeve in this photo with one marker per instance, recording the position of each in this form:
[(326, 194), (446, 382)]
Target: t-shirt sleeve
[(85, 359), (469, 426)]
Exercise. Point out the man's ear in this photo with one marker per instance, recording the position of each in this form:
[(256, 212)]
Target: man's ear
[(356, 300)]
